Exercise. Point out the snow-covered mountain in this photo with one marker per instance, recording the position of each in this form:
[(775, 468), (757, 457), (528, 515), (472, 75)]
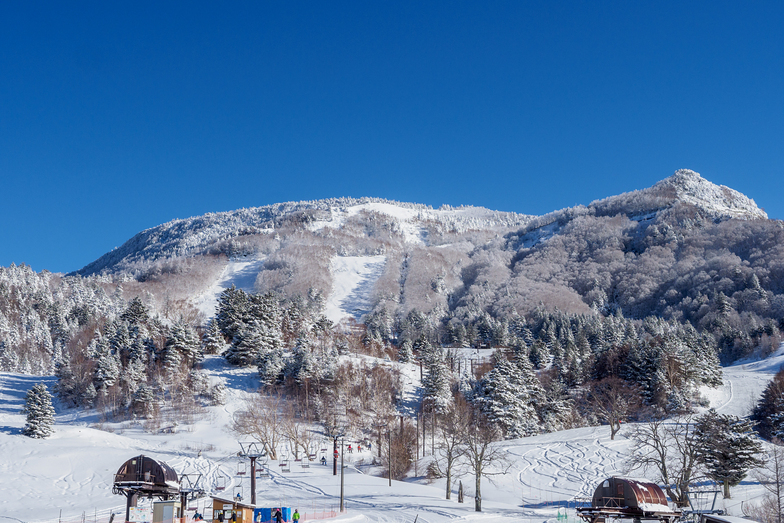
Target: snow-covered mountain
[(684, 187), (197, 235), (421, 257)]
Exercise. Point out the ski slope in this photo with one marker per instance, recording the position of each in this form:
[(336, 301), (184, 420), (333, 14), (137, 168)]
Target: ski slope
[(71, 473)]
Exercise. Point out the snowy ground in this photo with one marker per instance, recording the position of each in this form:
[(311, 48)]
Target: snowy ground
[(70, 474)]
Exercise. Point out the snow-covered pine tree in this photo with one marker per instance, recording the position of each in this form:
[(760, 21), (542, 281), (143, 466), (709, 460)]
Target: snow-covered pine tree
[(504, 395), (40, 412), (184, 341), (302, 367), (107, 363), (728, 446), (136, 312), (214, 342), (246, 346), (144, 403), (405, 353), (437, 385), (233, 308)]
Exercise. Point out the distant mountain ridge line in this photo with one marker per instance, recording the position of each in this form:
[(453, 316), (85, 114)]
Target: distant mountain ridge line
[(182, 237), (193, 236)]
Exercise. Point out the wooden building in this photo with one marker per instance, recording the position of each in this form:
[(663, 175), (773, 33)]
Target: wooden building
[(230, 511)]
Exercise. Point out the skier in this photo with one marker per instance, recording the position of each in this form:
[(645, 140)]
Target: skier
[(278, 516), (295, 516)]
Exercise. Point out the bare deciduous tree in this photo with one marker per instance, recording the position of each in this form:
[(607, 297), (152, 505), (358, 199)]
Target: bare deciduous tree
[(260, 419), (670, 448), (451, 431), (296, 431), (771, 476), (613, 400), (484, 458)]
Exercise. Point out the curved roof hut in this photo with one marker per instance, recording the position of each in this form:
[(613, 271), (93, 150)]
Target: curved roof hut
[(146, 477), (625, 498)]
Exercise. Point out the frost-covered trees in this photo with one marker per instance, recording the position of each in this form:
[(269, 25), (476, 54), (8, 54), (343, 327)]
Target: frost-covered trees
[(437, 385), (671, 450), (769, 411), (182, 347), (405, 353), (214, 342), (40, 412), (508, 396), (728, 447)]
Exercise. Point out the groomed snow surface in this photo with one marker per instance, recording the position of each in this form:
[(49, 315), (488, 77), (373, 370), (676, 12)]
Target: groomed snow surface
[(70, 474)]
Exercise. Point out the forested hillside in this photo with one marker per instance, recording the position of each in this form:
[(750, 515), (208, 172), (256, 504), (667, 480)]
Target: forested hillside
[(641, 294)]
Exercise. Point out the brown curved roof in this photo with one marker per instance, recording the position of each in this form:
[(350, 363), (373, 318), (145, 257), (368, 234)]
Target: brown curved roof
[(144, 473)]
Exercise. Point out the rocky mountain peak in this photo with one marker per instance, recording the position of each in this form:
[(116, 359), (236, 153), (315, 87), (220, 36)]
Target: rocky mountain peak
[(688, 186)]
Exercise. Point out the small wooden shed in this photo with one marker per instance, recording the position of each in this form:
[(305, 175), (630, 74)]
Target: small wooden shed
[(626, 498), (230, 511)]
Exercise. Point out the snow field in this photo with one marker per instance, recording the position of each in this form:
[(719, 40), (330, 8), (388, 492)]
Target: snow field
[(73, 470)]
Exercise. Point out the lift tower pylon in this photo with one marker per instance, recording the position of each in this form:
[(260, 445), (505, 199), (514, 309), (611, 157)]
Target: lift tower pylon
[(252, 451)]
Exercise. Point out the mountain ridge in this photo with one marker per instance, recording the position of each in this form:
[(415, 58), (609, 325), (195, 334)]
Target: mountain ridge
[(194, 235)]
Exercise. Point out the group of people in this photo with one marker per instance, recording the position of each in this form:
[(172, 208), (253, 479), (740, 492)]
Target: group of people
[(278, 516), (350, 450)]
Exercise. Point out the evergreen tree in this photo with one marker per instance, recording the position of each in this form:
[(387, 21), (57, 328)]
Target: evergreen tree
[(107, 364), (40, 412), (303, 366), (506, 397), (405, 353), (144, 403), (271, 365), (246, 345), (184, 341), (233, 309), (214, 342), (437, 386), (728, 446), (770, 404), (136, 313)]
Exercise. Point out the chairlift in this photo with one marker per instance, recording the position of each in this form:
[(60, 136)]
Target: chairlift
[(238, 493), (220, 483), (241, 468)]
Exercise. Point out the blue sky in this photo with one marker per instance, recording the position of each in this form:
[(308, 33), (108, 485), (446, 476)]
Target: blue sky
[(116, 117)]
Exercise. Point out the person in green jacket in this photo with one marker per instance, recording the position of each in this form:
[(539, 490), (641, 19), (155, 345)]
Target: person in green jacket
[(295, 516)]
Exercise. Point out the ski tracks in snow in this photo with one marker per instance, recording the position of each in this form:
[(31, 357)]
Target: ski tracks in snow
[(550, 471)]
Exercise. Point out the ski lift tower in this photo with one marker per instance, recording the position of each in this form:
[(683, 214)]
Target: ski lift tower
[(252, 451), (190, 487)]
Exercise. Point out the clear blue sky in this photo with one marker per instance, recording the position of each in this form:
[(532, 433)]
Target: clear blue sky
[(116, 117)]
